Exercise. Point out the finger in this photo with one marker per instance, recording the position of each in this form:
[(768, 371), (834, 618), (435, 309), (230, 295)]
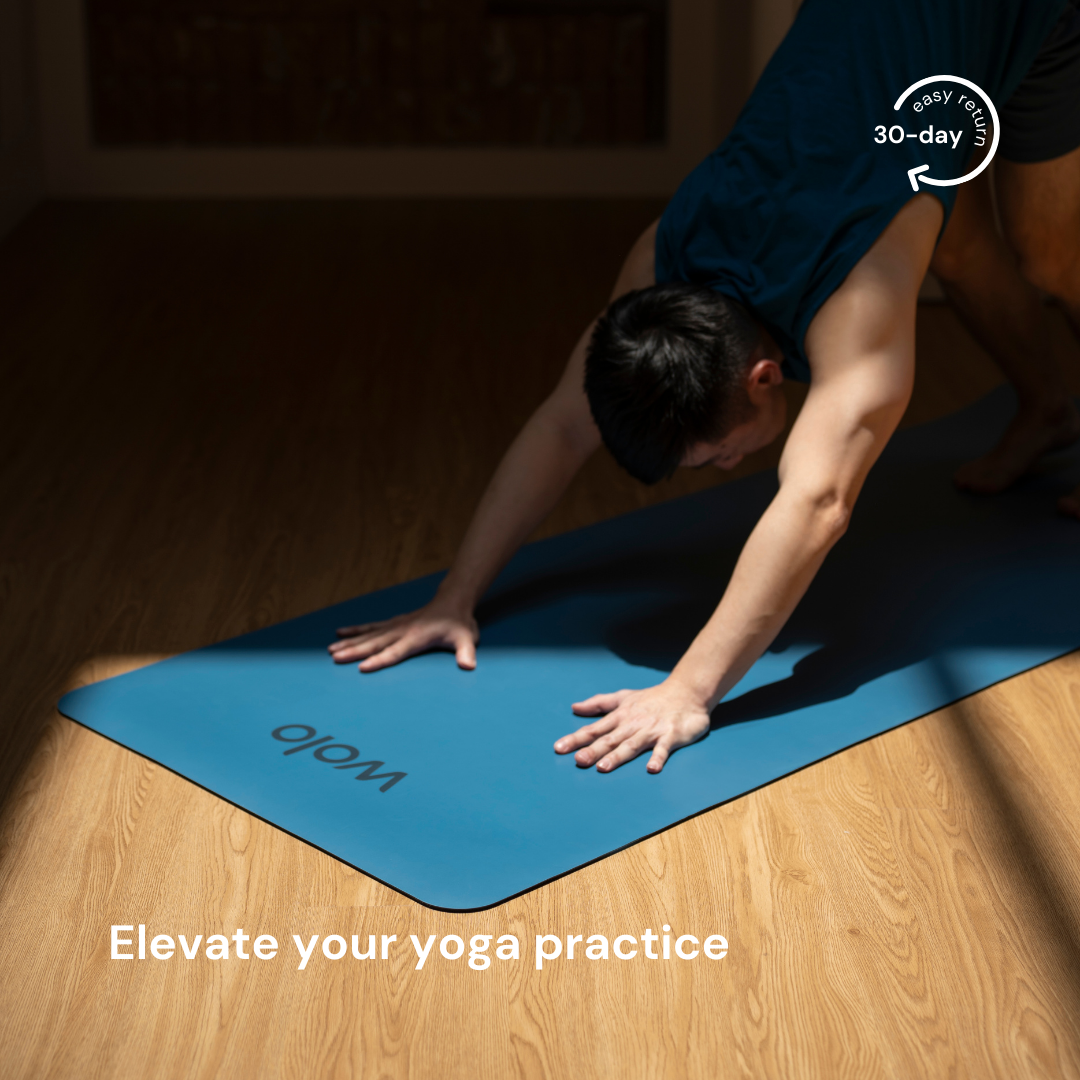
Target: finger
[(400, 650), (600, 703), (661, 752), (348, 643), (591, 755), (358, 650), (341, 646), (627, 750), (361, 628), (465, 653), (585, 735)]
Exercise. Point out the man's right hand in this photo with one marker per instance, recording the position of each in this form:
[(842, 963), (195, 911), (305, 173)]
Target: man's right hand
[(438, 625)]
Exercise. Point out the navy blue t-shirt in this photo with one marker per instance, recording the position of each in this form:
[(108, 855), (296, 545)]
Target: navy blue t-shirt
[(778, 215)]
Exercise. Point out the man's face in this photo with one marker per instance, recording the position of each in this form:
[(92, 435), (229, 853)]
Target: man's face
[(769, 414)]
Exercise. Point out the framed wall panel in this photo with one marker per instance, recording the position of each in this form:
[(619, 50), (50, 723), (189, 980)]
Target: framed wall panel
[(607, 150)]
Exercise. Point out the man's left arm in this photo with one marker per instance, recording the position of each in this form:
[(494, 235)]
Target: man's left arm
[(861, 346)]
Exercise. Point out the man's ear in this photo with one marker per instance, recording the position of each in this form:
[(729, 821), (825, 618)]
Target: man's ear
[(761, 377)]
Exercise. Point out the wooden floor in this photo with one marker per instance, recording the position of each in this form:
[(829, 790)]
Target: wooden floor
[(215, 417)]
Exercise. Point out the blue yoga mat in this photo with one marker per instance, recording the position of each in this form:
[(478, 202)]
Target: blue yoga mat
[(443, 784)]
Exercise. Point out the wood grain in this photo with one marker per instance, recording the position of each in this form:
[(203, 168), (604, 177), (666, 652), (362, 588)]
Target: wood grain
[(218, 416)]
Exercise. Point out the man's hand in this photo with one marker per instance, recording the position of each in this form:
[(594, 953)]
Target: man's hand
[(661, 718), (436, 626)]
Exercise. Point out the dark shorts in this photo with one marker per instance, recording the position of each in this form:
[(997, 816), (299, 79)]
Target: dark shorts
[(1041, 120)]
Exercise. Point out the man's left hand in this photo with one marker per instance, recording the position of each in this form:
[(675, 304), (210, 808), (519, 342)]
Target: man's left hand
[(661, 718)]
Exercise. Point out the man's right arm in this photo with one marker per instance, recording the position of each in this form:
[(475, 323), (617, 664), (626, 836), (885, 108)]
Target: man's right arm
[(532, 476)]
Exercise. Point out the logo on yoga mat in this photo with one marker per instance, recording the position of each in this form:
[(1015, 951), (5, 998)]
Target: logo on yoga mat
[(337, 755), (955, 119)]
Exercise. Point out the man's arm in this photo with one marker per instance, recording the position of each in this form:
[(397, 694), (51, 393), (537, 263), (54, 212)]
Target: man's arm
[(543, 459), (861, 347)]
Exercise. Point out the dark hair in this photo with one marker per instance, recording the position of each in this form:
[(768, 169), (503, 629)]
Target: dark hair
[(664, 371)]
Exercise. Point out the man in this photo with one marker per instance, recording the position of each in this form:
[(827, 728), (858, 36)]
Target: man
[(797, 249)]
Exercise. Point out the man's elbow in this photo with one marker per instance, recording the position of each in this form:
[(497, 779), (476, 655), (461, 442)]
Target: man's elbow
[(569, 423), (829, 513)]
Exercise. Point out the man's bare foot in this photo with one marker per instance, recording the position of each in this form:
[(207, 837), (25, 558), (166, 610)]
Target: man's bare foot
[(1070, 504), (1031, 434)]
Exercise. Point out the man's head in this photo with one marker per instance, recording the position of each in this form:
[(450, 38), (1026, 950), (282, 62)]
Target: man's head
[(678, 374)]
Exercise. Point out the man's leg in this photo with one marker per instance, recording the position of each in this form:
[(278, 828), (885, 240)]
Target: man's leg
[(981, 278), (1040, 211)]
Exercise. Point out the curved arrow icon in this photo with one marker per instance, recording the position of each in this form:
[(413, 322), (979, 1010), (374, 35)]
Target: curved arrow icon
[(912, 173)]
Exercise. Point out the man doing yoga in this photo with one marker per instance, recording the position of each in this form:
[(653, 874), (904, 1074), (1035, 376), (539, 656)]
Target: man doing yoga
[(797, 250)]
